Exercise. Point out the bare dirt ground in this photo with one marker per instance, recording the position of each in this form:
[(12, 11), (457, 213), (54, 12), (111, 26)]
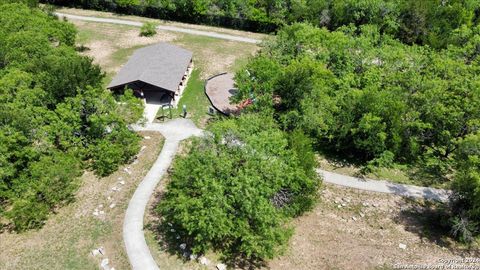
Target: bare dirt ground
[(104, 40), (66, 240), (348, 229), (364, 233)]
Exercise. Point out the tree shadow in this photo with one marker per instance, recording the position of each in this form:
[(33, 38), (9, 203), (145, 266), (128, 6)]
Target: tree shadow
[(426, 177), (431, 194), (430, 221), (239, 261), (337, 159), (164, 236), (82, 48)]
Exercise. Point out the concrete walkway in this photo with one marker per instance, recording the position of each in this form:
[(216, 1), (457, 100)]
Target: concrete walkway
[(385, 187), (133, 235), (177, 130), (161, 27)]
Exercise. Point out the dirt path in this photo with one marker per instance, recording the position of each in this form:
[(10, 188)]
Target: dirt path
[(161, 27), (133, 235)]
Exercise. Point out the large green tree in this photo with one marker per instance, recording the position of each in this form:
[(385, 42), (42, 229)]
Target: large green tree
[(236, 188)]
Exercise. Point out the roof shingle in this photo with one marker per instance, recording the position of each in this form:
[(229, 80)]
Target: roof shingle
[(162, 65)]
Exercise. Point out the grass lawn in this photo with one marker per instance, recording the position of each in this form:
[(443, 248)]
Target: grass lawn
[(111, 45), (101, 14), (194, 99)]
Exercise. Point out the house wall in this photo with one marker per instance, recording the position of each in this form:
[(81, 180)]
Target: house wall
[(183, 84)]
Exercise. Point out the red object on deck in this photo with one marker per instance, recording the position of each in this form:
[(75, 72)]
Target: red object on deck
[(245, 103)]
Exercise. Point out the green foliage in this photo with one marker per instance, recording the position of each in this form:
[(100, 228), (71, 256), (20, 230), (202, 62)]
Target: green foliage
[(385, 160), (130, 108), (466, 187), (362, 94), (301, 145), (148, 29), (44, 185), (225, 194), (54, 118), (429, 22)]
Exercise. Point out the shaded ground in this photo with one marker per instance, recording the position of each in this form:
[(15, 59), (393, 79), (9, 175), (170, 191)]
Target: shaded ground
[(398, 173), (385, 186), (68, 237)]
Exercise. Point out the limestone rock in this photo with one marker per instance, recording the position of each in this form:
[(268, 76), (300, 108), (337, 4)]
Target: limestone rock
[(221, 266), (203, 260), (104, 264)]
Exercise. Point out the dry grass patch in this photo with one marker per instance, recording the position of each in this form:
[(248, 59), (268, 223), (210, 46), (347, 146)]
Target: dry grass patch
[(66, 240), (104, 41), (364, 233), (110, 46)]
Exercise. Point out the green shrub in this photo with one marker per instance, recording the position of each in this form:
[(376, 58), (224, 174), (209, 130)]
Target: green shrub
[(113, 150), (44, 185), (235, 190), (54, 117), (385, 160), (28, 213), (466, 187), (349, 90), (148, 29), (301, 145)]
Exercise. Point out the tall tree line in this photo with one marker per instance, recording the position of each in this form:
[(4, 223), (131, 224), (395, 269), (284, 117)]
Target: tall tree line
[(55, 117), (427, 22)]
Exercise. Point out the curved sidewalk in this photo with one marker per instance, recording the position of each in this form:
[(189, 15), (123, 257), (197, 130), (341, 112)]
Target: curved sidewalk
[(133, 235), (161, 27), (385, 187)]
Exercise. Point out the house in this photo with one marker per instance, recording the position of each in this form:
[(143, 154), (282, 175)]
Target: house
[(157, 73)]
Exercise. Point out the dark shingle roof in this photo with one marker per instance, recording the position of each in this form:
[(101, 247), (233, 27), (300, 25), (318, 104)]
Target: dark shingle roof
[(162, 65)]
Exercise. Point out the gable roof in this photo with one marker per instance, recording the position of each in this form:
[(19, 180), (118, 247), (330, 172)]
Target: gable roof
[(162, 65)]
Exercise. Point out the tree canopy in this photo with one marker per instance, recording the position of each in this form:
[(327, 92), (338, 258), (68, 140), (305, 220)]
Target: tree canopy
[(429, 22), (365, 95), (55, 117), (236, 188)]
